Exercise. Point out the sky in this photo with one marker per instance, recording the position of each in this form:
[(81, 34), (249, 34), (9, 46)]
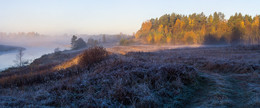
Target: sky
[(105, 16)]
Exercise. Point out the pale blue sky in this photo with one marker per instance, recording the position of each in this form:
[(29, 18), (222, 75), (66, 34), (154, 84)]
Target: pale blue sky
[(105, 16)]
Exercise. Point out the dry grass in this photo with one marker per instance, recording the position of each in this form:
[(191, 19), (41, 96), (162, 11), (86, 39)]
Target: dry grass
[(73, 62), (87, 58)]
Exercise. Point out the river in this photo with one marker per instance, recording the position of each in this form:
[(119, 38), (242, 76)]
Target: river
[(7, 58)]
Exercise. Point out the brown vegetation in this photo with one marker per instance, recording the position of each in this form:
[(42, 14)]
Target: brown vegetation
[(92, 56)]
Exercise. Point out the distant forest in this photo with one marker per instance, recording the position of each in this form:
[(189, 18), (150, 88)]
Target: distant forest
[(200, 29)]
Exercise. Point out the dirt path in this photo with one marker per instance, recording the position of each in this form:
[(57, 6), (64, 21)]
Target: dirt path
[(220, 90)]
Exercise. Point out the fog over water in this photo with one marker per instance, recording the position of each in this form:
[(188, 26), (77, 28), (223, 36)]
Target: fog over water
[(35, 47), (38, 45)]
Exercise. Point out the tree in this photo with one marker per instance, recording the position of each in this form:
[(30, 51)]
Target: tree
[(73, 40), (216, 18), (77, 43), (178, 25), (236, 36), (160, 29), (80, 43), (202, 34), (146, 26), (199, 29), (19, 58), (210, 19), (149, 38), (255, 29), (164, 20), (169, 38), (190, 38), (158, 37)]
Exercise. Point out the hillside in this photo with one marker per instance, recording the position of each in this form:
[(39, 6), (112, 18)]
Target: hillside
[(185, 77)]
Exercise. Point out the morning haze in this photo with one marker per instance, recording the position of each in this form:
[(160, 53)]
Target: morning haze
[(135, 53), (102, 16)]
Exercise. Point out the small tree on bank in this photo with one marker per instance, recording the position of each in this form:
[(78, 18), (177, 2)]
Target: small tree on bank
[(19, 58)]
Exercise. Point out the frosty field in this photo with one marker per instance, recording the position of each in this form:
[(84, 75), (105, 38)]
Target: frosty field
[(224, 76)]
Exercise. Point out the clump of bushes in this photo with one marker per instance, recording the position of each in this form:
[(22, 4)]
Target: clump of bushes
[(92, 55), (77, 43), (125, 42)]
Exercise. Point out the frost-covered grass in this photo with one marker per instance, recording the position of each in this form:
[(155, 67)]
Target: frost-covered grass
[(189, 77)]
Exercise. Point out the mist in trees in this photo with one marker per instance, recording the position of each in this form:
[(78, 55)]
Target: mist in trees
[(201, 29), (77, 43)]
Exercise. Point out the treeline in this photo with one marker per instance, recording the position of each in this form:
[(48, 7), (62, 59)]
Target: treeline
[(200, 29), (19, 34)]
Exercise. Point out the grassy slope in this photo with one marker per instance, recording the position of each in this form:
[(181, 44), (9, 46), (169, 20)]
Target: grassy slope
[(201, 77)]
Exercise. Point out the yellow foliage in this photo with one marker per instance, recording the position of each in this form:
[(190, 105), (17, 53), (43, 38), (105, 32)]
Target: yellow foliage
[(137, 35), (222, 28), (191, 22), (257, 20), (213, 30), (146, 26), (203, 30), (242, 24), (210, 19), (166, 30), (158, 37), (149, 38), (178, 26), (160, 29), (168, 39), (190, 38)]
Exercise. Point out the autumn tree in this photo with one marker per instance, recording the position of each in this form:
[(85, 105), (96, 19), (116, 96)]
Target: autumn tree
[(169, 38), (200, 29), (158, 36), (236, 36), (190, 38), (146, 26)]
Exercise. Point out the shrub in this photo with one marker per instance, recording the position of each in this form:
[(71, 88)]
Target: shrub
[(92, 56), (125, 42)]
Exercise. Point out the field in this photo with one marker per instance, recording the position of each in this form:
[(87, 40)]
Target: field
[(140, 76)]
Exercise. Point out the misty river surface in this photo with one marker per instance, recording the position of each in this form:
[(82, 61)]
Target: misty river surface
[(7, 58)]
